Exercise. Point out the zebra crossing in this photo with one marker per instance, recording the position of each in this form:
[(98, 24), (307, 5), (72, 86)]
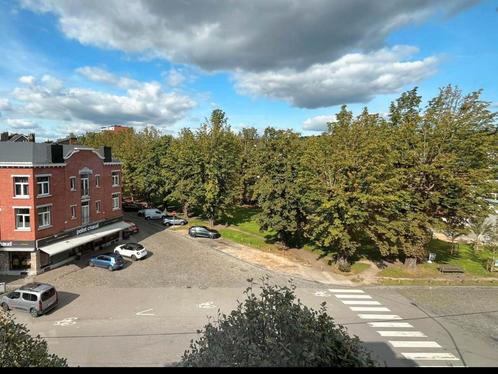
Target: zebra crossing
[(400, 335)]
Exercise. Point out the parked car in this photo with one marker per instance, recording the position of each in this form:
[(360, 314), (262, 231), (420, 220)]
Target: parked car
[(134, 251), (203, 232), (133, 229), (111, 261), (151, 213), (35, 298), (174, 220), (129, 206)]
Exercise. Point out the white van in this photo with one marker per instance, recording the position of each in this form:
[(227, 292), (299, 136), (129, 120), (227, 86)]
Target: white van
[(151, 213)]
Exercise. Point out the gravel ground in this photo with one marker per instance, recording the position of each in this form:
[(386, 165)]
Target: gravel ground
[(473, 309)]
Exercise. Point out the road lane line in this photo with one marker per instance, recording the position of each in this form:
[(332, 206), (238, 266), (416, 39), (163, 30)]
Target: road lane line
[(430, 356), (379, 316), (360, 302), (342, 290), (408, 334), (353, 296), (413, 344), (403, 325), (369, 309)]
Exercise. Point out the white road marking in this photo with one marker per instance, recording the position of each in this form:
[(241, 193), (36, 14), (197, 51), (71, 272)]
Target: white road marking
[(408, 334), (430, 356), (144, 313), (207, 305), (321, 294), (390, 324), (379, 316), (413, 344), (342, 290), (369, 309), (353, 296), (66, 321), (360, 302)]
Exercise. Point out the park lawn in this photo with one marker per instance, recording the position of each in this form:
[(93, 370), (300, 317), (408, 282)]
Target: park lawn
[(473, 263)]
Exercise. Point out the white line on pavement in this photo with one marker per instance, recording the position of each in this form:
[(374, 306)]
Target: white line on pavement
[(369, 309), (360, 302), (430, 356), (353, 296), (342, 290), (144, 313), (408, 334), (413, 344), (390, 324), (379, 316)]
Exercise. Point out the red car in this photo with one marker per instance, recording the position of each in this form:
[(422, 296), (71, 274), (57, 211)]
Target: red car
[(133, 229)]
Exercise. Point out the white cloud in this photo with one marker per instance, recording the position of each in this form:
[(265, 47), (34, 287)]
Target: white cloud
[(21, 124), (103, 76), (146, 102), (254, 35), (27, 79), (4, 104), (318, 123), (354, 78), (175, 78)]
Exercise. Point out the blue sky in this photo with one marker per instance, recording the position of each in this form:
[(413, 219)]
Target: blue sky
[(77, 66)]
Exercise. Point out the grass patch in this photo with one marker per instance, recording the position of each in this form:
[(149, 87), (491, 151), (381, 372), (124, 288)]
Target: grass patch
[(359, 267), (243, 238)]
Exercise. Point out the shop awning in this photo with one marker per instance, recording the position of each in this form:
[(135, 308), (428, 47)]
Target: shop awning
[(68, 244)]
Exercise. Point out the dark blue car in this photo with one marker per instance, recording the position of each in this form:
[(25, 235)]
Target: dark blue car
[(111, 261)]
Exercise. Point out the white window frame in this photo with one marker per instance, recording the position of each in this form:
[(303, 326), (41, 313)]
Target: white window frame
[(98, 206), (71, 207), (47, 183), (46, 225), (97, 180), (82, 215), (115, 173), (22, 184), (72, 179), (115, 195), (87, 184), (24, 220)]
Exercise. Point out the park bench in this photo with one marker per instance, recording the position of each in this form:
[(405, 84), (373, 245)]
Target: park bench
[(450, 269)]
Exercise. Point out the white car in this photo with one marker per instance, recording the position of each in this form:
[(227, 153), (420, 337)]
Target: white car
[(134, 251), (151, 213)]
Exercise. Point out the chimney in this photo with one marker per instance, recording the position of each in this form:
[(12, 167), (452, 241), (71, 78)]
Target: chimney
[(57, 153), (31, 138), (4, 137), (107, 154)]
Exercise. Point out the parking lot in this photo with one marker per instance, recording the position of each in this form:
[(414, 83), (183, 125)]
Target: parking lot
[(147, 313)]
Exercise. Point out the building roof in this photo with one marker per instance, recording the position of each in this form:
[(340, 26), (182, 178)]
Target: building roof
[(33, 154)]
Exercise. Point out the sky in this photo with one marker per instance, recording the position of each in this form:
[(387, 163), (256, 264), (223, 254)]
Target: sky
[(75, 66)]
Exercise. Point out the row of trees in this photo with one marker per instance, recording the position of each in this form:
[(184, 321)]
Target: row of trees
[(367, 181)]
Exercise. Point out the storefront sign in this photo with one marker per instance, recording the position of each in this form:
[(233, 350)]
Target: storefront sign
[(87, 228), (16, 243)]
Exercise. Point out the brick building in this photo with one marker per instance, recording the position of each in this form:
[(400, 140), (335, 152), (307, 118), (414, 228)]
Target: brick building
[(56, 202)]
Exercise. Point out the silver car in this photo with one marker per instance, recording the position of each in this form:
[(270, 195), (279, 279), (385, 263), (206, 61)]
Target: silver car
[(35, 298)]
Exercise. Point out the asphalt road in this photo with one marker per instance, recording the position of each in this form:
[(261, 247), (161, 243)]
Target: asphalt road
[(147, 313)]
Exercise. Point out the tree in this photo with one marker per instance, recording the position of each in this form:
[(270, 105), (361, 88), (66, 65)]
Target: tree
[(19, 349), (275, 329), (482, 229), (249, 140), (220, 150), (277, 190)]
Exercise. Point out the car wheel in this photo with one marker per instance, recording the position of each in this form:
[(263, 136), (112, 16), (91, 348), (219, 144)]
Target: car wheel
[(110, 268), (33, 312), (5, 307), (147, 218), (134, 258)]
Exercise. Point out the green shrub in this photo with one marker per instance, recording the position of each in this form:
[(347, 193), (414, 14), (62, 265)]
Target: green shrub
[(275, 329)]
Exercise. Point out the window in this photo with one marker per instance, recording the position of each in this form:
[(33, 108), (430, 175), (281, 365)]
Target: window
[(22, 219), (72, 183), (48, 294), (43, 185), (21, 185), (97, 181), (115, 178), (85, 212), (44, 219), (29, 297), (97, 206), (14, 295), (85, 184), (115, 201), (73, 211)]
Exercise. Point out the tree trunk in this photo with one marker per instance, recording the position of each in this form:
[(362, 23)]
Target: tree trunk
[(185, 210), (411, 262), (211, 222)]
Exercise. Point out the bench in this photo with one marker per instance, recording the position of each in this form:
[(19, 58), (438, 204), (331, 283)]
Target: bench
[(450, 269)]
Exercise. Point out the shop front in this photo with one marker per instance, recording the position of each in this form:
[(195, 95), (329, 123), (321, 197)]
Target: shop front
[(16, 257)]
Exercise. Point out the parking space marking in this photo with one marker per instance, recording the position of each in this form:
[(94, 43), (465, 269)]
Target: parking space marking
[(404, 325), (321, 294), (207, 305), (430, 356), (379, 316), (340, 296), (407, 334), (360, 302), (413, 344), (144, 313), (369, 309), (66, 321)]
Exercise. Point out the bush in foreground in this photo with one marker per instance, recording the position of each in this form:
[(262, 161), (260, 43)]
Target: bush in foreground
[(19, 349), (275, 329)]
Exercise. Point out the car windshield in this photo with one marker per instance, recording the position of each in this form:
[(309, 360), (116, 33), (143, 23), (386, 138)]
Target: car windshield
[(135, 246)]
